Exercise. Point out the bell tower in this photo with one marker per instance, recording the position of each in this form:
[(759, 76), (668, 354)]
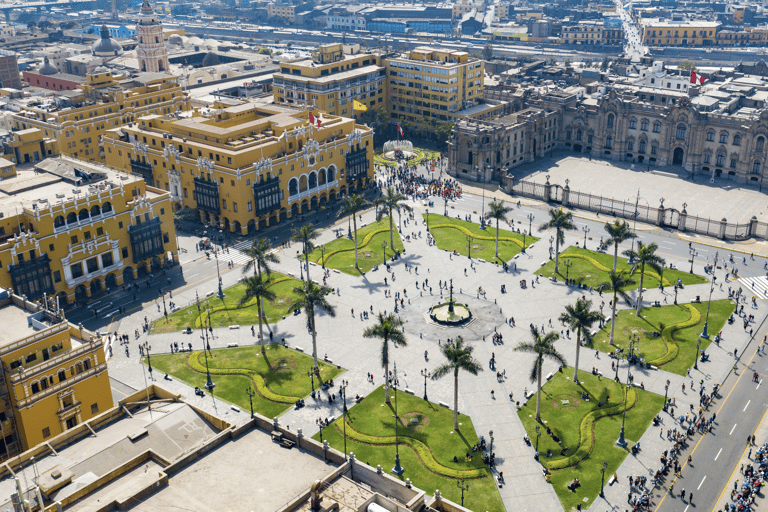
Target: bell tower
[(151, 51)]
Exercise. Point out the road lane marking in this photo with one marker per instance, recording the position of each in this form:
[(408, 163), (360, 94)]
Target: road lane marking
[(702, 481), (758, 383), (745, 407), (731, 432), (718, 453)]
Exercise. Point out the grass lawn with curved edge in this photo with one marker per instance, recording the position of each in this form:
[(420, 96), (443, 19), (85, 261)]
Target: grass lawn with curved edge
[(451, 235), (340, 253), (680, 325), (431, 433), (593, 268), (226, 312), (562, 410), (282, 373)]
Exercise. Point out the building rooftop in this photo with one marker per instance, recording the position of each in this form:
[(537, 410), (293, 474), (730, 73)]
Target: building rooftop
[(12, 314), (351, 73)]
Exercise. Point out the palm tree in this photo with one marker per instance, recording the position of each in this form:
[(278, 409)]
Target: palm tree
[(306, 234), (580, 317), (312, 297), (387, 328), (390, 202), (617, 232), (645, 255), (350, 205), (498, 210), (260, 258), (617, 284), (561, 221), (459, 357), (257, 286), (544, 348)]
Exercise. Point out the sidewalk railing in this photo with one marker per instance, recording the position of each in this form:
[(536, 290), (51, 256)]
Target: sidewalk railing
[(659, 216)]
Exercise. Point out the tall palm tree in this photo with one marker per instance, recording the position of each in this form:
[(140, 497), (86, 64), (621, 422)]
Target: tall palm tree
[(617, 284), (544, 347), (305, 235), (618, 232), (561, 222), (580, 317), (257, 286), (259, 259), (498, 210), (459, 357), (387, 328), (312, 297), (391, 202), (644, 255), (350, 205)]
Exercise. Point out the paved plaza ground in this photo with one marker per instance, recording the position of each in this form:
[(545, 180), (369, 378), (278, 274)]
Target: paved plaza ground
[(620, 180), (341, 340)]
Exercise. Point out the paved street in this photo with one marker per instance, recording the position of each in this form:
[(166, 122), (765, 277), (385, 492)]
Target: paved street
[(537, 304)]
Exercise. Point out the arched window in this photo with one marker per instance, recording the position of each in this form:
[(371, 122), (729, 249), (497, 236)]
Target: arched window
[(756, 167), (641, 148), (759, 144), (95, 210), (632, 123), (609, 142), (710, 136), (157, 40), (644, 125), (321, 177), (293, 187), (87, 364), (720, 159), (737, 140), (71, 217), (578, 135), (331, 174), (106, 208), (83, 215), (303, 184), (313, 180), (610, 120), (681, 129), (58, 221)]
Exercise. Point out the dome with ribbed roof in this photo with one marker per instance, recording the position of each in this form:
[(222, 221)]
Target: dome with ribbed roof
[(106, 47), (210, 59), (47, 68)]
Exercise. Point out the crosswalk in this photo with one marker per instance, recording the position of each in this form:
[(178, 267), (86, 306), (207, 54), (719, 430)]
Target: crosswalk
[(758, 285)]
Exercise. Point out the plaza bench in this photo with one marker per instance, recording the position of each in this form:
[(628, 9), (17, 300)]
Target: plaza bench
[(234, 327), (236, 408), (210, 293), (277, 436), (409, 391), (299, 348), (549, 376), (232, 345), (444, 405)]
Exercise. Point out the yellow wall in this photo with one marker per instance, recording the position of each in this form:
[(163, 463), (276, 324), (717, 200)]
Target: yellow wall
[(693, 34)]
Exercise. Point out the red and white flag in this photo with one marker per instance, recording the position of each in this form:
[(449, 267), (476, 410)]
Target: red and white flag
[(400, 129), (319, 122), (697, 78), (311, 118)]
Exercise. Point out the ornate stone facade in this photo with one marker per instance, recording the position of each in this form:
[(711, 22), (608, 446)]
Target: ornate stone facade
[(151, 51)]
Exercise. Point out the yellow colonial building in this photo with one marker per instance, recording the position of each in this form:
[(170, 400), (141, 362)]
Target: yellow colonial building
[(71, 228), (286, 12), (331, 81), (433, 83), (246, 166), (54, 374), (680, 33), (72, 122)]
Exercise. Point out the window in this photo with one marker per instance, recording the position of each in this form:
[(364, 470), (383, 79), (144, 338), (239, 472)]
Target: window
[(77, 270), (234, 207), (656, 127), (720, 159), (723, 138), (30, 358), (737, 140), (759, 144), (87, 235), (710, 136), (641, 148), (99, 231), (756, 168), (93, 265), (609, 142), (610, 120), (707, 158), (630, 145), (644, 125), (124, 252), (107, 260), (632, 124), (46, 432), (56, 276), (62, 375), (654, 149), (733, 163), (94, 408), (681, 129), (73, 239)]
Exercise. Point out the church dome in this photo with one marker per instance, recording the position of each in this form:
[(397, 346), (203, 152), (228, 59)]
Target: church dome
[(175, 39), (47, 68), (106, 47), (210, 59)]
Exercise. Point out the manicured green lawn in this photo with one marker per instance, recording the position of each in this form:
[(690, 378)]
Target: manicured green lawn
[(226, 312), (374, 424), (340, 253), (680, 325), (451, 235), (592, 268), (562, 410), (279, 378)]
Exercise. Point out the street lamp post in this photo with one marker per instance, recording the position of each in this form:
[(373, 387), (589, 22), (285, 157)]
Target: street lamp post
[(322, 251), (469, 246), (602, 319), (530, 228), (344, 384), (220, 294), (634, 227), (311, 376), (676, 287), (349, 227), (445, 213), (568, 264), (147, 349), (464, 487), (602, 479), (427, 217), (301, 267), (586, 230), (490, 434), (384, 253), (693, 255), (551, 240), (251, 393), (623, 442), (398, 469), (165, 311), (425, 373), (705, 334), (538, 435), (666, 388)]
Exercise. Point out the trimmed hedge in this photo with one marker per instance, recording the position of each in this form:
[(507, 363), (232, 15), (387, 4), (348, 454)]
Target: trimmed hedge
[(258, 380), (667, 335), (366, 240), (421, 449), (586, 433), (602, 267), (475, 236)]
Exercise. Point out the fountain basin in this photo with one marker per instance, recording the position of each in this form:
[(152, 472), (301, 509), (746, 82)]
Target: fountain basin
[(442, 315)]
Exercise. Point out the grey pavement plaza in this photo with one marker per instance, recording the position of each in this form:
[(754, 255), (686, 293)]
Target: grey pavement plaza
[(622, 181), (341, 340)]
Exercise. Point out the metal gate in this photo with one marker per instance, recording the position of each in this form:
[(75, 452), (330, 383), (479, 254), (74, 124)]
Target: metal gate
[(671, 218), (556, 193)]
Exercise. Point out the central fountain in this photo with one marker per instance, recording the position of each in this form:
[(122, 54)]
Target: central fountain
[(450, 313)]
